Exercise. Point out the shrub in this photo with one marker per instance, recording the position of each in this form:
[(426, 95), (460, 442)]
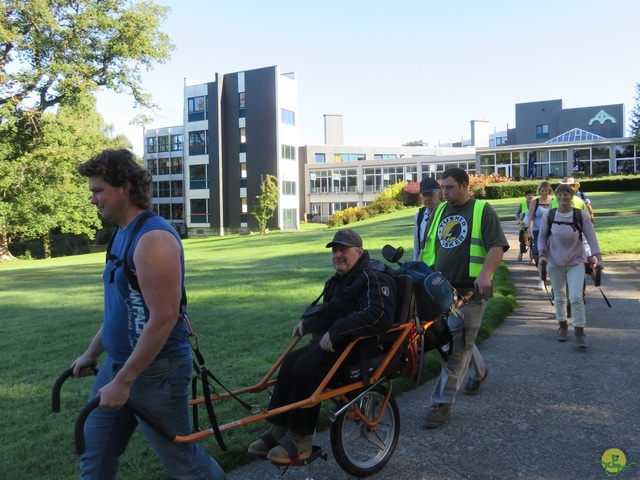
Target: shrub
[(411, 195)]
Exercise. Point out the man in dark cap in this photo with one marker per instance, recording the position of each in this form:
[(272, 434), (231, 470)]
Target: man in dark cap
[(360, 299), (431, 195)]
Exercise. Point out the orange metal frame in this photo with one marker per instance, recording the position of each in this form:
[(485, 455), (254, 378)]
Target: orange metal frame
[(322, 392)]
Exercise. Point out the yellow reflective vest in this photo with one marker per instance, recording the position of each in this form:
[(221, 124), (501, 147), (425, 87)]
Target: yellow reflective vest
[(477, 252)]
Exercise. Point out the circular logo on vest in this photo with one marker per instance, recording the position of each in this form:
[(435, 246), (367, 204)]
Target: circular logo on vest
[(452, 231)]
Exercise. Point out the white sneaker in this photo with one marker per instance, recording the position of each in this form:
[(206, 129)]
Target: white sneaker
[(540, 285)]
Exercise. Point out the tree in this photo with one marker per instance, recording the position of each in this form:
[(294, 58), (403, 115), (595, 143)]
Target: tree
[(266, 203), (53, 195), (56, 54), (635, 119)]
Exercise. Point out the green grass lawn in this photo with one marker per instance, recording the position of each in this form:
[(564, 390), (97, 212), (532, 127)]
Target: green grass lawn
[(604, 203), (245, 295)]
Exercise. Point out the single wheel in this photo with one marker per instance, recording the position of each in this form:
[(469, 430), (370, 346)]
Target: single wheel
[(360, 449)]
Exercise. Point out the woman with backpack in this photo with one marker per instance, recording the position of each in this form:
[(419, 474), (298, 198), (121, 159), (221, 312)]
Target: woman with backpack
[(562, 254), (537, 208)]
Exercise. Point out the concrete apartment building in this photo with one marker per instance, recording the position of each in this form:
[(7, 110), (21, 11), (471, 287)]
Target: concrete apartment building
[(236, 129)]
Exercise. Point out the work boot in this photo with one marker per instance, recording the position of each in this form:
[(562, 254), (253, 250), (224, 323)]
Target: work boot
[(582, 345), (267, 440), (563, 331), (437, 416), (293, 447)]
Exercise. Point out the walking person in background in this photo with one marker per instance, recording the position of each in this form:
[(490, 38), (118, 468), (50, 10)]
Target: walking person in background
[(537, 208), (522, 218), (562, 252), (465, 242), (431, 195)]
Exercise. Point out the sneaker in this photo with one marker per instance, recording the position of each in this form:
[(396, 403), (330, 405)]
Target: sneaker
[(540, 285), (437, 416), (472, 387), (520, 256)]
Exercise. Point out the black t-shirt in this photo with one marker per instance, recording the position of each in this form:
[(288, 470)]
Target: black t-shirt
[(454, 238)]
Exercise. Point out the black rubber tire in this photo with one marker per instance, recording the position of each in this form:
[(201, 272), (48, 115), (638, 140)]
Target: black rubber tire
[(357, 449)]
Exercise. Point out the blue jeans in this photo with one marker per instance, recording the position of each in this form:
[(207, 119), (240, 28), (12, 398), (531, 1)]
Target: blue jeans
[(163, 391)]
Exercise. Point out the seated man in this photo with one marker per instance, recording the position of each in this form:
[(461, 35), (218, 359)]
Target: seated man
[(360, 300)]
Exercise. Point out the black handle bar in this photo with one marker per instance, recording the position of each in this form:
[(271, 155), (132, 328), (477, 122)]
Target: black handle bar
[(57, 386), (137, 411)]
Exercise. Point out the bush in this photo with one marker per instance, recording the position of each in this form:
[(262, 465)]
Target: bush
[(386, 202), (613, 183), (392, 192), (411, 195)]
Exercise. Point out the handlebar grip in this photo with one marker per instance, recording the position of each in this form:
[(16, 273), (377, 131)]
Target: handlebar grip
[(79, 428), (598, 276), (57, 386), (93, 404)]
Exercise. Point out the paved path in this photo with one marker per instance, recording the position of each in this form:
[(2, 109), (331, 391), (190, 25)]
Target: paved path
[(547, 411)]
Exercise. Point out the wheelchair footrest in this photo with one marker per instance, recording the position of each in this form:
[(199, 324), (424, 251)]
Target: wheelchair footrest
[(316, 453)]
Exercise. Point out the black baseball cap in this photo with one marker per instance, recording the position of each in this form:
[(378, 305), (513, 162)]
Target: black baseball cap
[(347, 238), (429, 185)]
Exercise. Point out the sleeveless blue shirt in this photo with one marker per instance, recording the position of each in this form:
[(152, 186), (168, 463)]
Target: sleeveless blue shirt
[(125, 312)]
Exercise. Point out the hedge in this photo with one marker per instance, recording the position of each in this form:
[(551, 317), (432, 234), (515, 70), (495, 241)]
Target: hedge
[(617, 183)]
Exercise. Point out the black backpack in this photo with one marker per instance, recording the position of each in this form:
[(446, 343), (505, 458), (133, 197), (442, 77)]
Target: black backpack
[(434, 297)]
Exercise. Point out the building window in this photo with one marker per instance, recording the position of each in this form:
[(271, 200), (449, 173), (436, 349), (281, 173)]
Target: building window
[(384, 156), (198, 143), (198, 177), (177, 211), (349, 157), (176, 143), (163, 144), (288, 152), (151, 145), (176, 188), (164, 189), (319, 157), (241, 98), (163, 166), (399, 173), (164, 210), (243, 135), (176, 165), (344, 180), (542, 131), (288, 117), (199, 213), (197, 108), (372, 179), (152, 166), (288, 188)]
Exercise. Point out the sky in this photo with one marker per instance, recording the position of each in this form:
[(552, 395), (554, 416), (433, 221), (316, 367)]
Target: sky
[(401, 70)]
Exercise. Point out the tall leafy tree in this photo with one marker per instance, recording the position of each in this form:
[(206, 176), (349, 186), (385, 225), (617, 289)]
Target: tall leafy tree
[(54, 53), (266, 203), (53, 196), (634, 126)]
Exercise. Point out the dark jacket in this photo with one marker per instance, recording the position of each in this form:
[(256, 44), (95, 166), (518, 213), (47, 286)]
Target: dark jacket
[(361, 303)]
